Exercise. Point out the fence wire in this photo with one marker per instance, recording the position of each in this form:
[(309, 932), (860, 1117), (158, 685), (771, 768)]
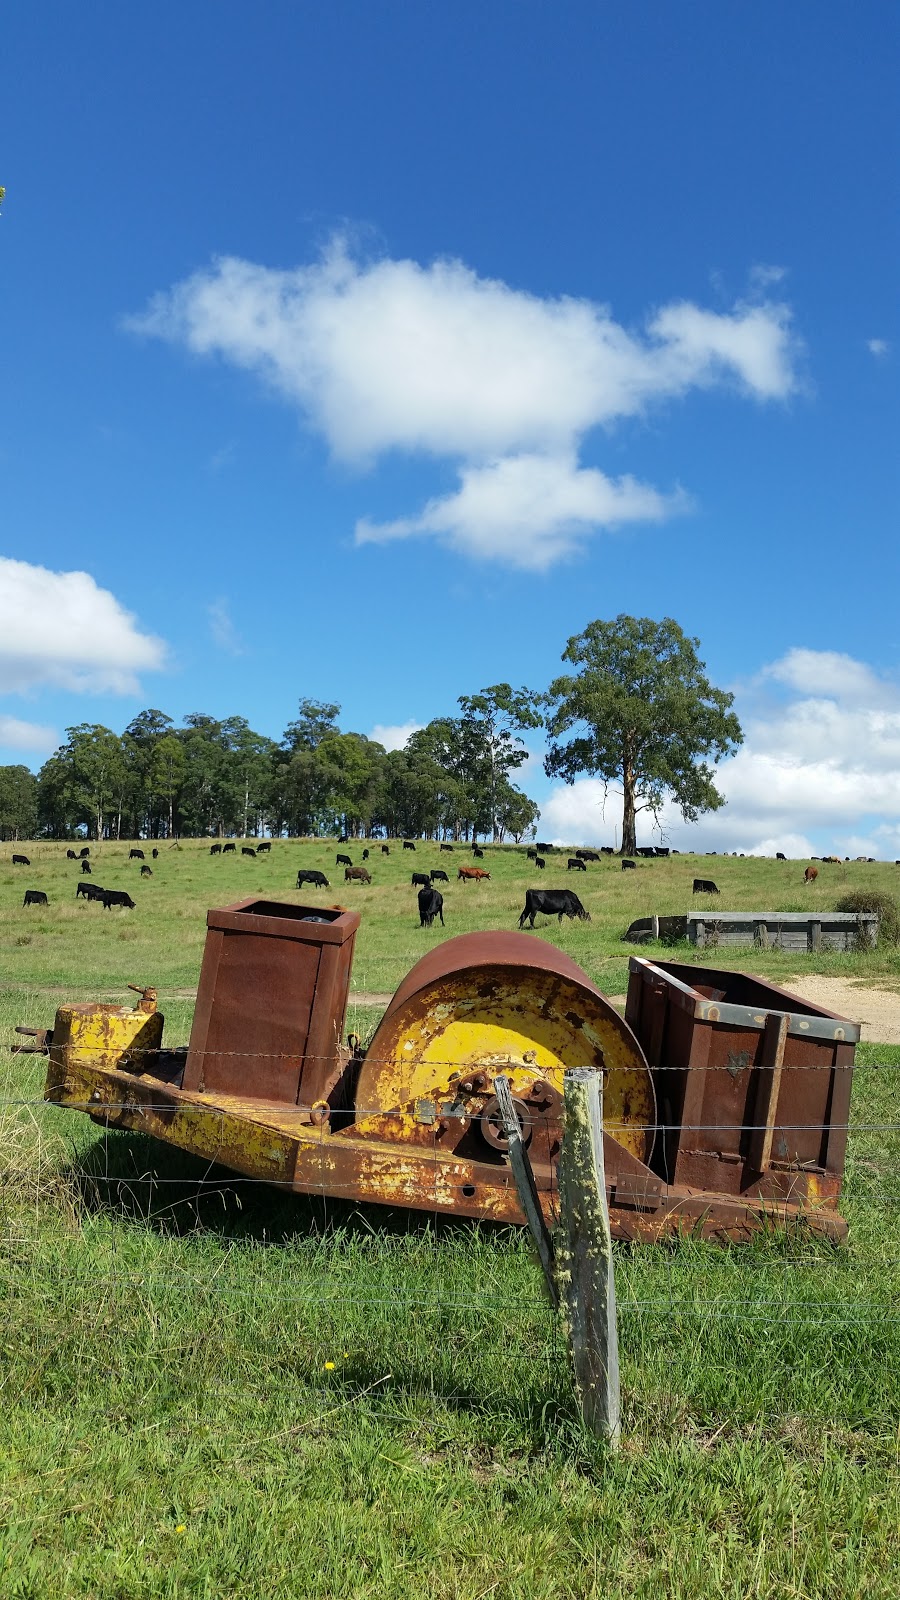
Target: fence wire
[(410, 1280)]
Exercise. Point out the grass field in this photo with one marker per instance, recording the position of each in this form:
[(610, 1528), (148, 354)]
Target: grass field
[(209, 1389)]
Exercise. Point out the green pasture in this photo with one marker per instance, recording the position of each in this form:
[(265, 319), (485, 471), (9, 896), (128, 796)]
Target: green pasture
[(77, 946), (212, 1389)]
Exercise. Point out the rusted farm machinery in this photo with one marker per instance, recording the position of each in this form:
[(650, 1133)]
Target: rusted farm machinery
[(725, 1099)]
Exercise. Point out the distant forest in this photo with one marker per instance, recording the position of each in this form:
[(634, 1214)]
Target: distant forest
[(212, 777)]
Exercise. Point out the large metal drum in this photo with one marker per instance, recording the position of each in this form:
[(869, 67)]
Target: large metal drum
[(490, 1003)]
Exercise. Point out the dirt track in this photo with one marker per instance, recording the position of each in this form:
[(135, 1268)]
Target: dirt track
[(877, 1009)]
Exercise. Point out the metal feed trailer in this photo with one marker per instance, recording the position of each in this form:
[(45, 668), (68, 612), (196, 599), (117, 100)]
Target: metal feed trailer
[(725, 1099)]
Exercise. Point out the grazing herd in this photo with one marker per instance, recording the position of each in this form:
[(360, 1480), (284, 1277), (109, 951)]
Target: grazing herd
[(551, 902)]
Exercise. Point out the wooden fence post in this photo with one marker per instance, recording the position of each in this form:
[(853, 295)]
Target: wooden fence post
[(584, 1262), (577, 1262)]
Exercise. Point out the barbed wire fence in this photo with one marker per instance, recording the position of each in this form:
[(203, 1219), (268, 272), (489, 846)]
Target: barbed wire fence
[(793, 1284)]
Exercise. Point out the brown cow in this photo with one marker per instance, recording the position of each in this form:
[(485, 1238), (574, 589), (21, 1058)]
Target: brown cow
[(471, 872), (360, 874), (811, 874)]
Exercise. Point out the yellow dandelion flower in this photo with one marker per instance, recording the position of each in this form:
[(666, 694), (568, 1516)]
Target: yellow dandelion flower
[(329, 1366), (182, 1527)]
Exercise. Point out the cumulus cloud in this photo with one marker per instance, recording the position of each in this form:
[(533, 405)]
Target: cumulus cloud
[(17, 735), (528, 510), (390, 355), (819, 772), (878, 347), (833, 675), (394, 735), (62, 629)]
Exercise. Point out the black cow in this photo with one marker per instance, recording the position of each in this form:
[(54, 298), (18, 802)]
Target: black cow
[(34, 897), (21, 861), (422, 878), (85, 868), (155, 853), (629, 866), (71, 856), (542, 849), (365, 855), (385, 849), (557, 903), (540, 862), (89, 891), (575, 865), (85, 852), (247, 851), (117, 897), (780, 855), (343, 839), (229, 847), (587, 855), (408, 844), (135, 855), (531, 852), (478, 854), (431, 905), (645, 850), (215, 849), (448, 848), (661, 850), (607, 850), (146, 872), (343, 861), (264, 847), (317, 879), (704, 886), (437, 876)]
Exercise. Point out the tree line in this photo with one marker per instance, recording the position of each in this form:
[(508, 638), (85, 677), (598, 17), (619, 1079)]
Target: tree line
[(639, 713), (211, 777)]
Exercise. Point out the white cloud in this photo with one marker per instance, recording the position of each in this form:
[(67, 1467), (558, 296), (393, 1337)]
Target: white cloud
[(62, 629), (390, 355), (878, 347), (528, 510), (223, 630), (829, 673), (394, 735), (817, 774), (762, 276), (17, 735), (575, 813)]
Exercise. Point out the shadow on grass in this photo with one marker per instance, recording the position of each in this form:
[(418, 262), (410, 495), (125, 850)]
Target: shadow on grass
[(138, 1177)]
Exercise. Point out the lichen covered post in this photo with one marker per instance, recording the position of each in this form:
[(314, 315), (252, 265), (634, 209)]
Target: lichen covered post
[(584, 1262)]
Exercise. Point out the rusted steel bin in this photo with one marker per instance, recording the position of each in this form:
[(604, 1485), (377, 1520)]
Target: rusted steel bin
[(753, 1083), (272, 1001)]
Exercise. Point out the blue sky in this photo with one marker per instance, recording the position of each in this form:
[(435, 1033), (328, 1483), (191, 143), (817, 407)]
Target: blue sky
[(369, 352)]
